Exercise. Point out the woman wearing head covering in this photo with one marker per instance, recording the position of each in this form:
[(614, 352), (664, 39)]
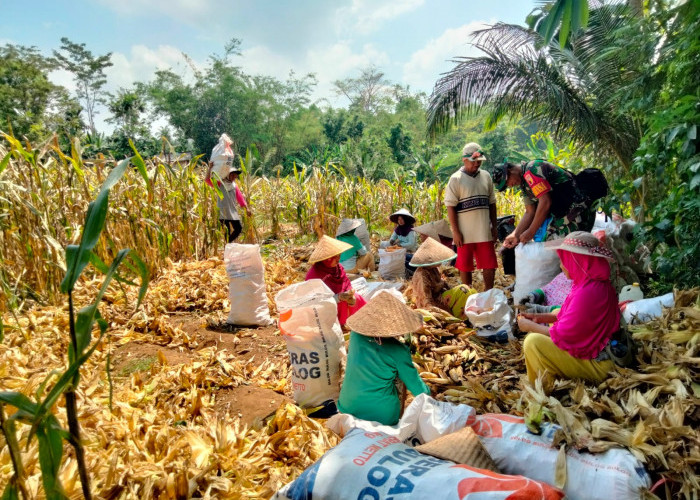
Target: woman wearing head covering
[(403, 236), (429, 289), (358, 257), (376, 357), (574, 346), (231, 199), (326, 267)]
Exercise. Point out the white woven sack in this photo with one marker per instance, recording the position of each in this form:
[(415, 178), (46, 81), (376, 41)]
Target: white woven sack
[(222, 156), (489, 313), (392, 265), (246, 291), (309, 323), (535, 266)]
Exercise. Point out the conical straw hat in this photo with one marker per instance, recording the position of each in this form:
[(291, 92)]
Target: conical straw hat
[(328, 247), (462, 447), (435, 229), (347, 225), (402, 211), (385, 316), (431, 253)]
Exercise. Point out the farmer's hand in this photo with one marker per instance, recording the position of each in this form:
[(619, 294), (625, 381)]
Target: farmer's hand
[(348, 297), (457, 238), (526, 325), (494, 235), (510, 241), (527, 236)]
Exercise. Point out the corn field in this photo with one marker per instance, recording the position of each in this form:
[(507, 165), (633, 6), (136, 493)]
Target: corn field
[(167, 213)]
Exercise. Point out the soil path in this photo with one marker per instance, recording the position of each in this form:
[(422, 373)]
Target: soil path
[(250, 403)]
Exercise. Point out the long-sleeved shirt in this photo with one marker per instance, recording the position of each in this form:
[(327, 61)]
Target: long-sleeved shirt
[(232, 199), (348, 258), (409, 242), (368, 390)]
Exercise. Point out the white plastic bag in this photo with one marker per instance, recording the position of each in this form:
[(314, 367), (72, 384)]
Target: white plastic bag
[(246, 291), (535, 266), (392, 265), (641, 311), (374, 465), (222, 156), (490, 314), (368, 289), (615, 473), (309, 323)]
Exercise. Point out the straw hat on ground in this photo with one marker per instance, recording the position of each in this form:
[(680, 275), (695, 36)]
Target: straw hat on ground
[(582, 243), (406, 215), (385, 316), (347, 225), (431, 253), (435, 229), (462, 447), (328, 247)]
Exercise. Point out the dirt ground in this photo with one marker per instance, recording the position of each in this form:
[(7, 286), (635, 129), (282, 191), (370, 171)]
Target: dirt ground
[(250, 403)]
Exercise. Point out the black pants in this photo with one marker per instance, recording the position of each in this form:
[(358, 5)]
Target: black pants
[(233, 229)]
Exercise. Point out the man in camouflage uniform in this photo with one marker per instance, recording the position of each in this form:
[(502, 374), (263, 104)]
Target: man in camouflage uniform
[(547, 191)]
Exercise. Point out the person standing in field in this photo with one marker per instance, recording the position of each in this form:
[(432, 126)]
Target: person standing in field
[(471, 209), (231, 198)]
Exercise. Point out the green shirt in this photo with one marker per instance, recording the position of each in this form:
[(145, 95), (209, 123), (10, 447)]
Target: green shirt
[(357, 246), (369, 391)]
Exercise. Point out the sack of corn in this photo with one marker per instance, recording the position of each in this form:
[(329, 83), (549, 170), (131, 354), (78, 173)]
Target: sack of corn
[(376, 465), (392, 264), (490, 314), (535, 266), (309, 323), (246, 273)]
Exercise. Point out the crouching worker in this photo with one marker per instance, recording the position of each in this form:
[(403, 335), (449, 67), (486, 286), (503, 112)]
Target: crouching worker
[(357, 258), (326, 267), (376, 357), (575, 346), (429, 289)]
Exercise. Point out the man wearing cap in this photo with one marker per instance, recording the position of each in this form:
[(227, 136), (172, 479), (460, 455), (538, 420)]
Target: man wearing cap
[(229, 201), (471, 209), (551, 197)]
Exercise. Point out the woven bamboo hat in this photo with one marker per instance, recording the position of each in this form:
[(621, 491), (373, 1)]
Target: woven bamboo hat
[(347, 225), (385, 316), (435, 229), (326, 248), (462, 447), (431, 253), (583, 243), (406, 214)]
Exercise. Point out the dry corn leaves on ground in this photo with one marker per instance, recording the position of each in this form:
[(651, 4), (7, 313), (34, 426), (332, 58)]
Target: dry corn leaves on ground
[(163, 439)]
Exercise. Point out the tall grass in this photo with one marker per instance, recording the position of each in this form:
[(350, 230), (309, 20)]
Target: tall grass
[(168, 213)]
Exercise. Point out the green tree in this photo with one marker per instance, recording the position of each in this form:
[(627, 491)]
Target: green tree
[(29, 103), (368, 93), (88, 72)]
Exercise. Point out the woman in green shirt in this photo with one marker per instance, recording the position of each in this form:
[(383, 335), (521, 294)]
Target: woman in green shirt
[(376, 357)]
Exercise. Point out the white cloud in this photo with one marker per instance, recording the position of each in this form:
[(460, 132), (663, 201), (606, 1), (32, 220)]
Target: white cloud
[(366, 16), (425, 65), (187, 11), (140, 64)]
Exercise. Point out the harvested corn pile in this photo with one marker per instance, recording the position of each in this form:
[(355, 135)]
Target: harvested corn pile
[(163, 437)]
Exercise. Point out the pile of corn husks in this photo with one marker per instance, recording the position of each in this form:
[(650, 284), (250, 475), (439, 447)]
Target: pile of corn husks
[(162, 437)]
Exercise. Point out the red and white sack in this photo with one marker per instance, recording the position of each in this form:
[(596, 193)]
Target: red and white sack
[(246, 289), (222, 156), (373, 465), (615, 473), (309, 323)]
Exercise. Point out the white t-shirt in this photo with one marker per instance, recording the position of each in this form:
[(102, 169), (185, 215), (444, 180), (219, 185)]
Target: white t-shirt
[(471, 196)]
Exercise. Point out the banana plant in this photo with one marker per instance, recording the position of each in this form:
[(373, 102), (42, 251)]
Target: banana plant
[(39, 414)]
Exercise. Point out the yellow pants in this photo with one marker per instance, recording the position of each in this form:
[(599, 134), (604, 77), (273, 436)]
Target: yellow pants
[(543, 356)]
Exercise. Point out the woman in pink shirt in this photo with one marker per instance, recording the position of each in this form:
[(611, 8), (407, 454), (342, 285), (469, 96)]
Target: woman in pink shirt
[(575, 345), (228, 204)]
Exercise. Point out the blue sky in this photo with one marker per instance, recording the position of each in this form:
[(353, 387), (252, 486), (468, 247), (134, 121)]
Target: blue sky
[(411, 41)]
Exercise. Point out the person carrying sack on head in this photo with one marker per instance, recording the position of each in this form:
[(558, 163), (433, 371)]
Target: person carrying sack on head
[(231, 198), (376, 357), (576, 345), (471, 209)]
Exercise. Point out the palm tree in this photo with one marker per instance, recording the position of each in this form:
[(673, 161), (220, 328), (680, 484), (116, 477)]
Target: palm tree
[(575, 89)]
